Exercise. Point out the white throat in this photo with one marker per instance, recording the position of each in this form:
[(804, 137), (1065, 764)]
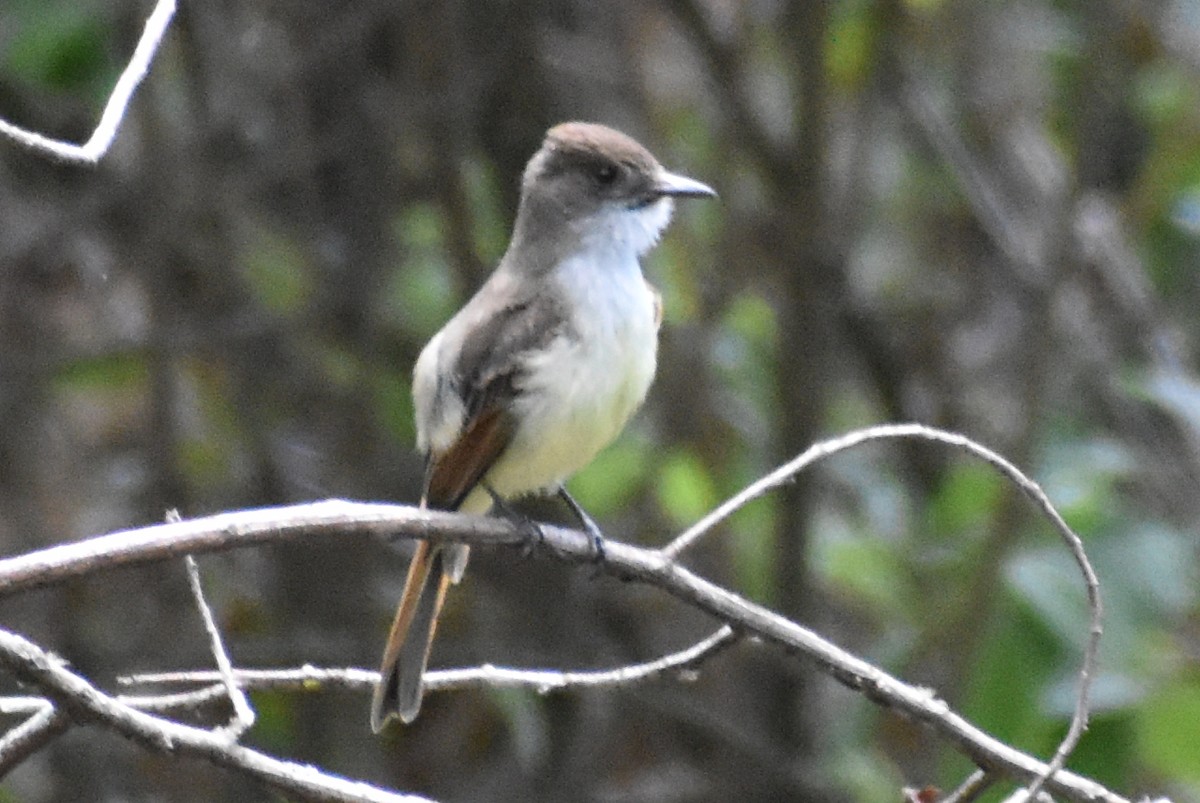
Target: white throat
[(623, 229)]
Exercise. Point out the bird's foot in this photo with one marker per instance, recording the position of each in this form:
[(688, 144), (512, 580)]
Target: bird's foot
[(589, 526), (534, 538)]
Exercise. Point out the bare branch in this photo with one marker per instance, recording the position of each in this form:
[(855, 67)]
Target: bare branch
[(243, 714), (335, 519), (970, 790), (306, 677), (114, 111), (311, 678), (311, 522), (83, 702), (41, 728), (819, 451)]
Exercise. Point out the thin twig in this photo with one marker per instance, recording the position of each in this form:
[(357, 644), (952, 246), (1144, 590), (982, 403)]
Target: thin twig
[(179, 701), (788, 471), (22, 705), (305, 677), (154, 703), (311, 678), (114, 111), (969, 791), (82, 701), (243, 714), (41, 728)]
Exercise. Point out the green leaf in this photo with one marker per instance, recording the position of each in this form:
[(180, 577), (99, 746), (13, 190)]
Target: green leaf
[(1174, 391), (60, 47), (393, 401), (1016, 659), (421, 294), (967, 498), (852, 44), (276, 270), (118, 372), (868, 570), (275, 725), (613, 476), (753, 547), (686, 490), (1080, 477), (1049, 581), (1168, 730)]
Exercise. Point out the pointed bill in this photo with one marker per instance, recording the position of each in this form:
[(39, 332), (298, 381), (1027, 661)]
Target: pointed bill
[(682, 186)]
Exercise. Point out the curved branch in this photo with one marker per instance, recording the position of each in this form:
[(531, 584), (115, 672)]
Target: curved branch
[(819, 451), (82, 702), (336, 518)]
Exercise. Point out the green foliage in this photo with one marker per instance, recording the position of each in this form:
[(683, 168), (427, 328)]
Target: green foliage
[(867, 776), (421, 294), (1019, 655), (489, 229), (1174, 392), (745, 353), (874, 573), (116, 373), (686, 489), (853, 44), (1167, 728), (393, 400), (277, 271), (966, 500), (59, 48), (610, 481), (753, 547), (274, 726), (1081, 475), (1103, 754)]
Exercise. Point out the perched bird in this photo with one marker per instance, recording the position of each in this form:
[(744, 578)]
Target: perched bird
[(543, 366)]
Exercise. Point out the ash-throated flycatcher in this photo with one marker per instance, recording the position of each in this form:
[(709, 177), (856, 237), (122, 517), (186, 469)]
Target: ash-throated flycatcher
[(543, 366)]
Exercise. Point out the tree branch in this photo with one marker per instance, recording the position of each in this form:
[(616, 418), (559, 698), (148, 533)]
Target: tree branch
[(82, 702), (819, 451), (243, 714), (336, 518), (114, 111), (43, 726), (311, 678), (310, 522)]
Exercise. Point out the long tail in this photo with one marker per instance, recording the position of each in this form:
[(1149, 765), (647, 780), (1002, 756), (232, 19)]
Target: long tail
[(399, 690)]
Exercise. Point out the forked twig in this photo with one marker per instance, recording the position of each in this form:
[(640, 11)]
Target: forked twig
[(114, 111), (819, 451)]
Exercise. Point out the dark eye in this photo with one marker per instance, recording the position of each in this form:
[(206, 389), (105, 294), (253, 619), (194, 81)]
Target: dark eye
[(606, 174)]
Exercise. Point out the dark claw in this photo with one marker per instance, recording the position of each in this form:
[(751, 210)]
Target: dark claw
[(589, 525), (534, 537)]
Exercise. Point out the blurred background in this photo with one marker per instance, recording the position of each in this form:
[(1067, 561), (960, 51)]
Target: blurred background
[(981, 216)]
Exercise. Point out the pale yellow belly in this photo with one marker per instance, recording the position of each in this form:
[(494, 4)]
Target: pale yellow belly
[(576, 399)]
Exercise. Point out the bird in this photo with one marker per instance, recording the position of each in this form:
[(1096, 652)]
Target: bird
[(541, 369)]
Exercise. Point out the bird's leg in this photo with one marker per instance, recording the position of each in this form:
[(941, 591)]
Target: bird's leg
[(530, 528), (589, 525)]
